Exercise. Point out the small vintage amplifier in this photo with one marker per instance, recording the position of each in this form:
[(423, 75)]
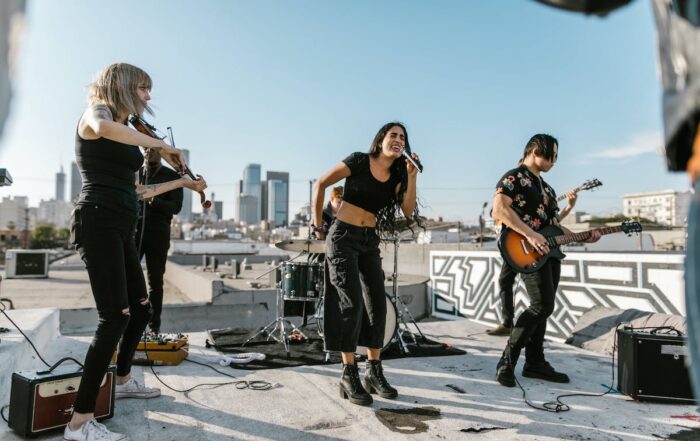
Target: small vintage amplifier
[(162, 350), (651, 366), (43, 400)]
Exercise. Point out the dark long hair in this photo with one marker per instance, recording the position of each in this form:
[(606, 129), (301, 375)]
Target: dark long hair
[(542, 144), (386, 217)]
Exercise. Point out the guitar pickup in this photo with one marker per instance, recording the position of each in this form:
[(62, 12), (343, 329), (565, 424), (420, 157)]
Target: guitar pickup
[(523, 243)]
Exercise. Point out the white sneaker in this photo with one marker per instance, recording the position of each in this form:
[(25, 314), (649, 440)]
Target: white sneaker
[(92, 431), (134, 389)]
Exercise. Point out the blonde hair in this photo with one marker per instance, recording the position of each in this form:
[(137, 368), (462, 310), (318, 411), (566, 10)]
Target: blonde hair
[(116, 85)]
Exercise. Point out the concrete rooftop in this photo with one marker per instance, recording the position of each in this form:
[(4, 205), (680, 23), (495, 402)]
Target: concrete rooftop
[(304, 404)]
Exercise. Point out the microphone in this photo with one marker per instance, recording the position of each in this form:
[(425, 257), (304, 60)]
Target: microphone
[(416, 163)]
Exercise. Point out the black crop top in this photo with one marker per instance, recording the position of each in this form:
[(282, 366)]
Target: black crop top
[(362, 189), (108, 170)]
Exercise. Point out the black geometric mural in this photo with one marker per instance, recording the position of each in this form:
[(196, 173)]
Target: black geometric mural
[(465, 284)]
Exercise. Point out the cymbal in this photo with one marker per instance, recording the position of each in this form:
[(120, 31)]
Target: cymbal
[(303, 245)]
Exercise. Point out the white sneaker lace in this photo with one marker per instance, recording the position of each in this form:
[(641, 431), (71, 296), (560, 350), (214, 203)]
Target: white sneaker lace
[(100, 431)]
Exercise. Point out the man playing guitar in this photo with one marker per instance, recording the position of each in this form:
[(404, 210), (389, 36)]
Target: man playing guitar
[(526, 204), (507, 276)]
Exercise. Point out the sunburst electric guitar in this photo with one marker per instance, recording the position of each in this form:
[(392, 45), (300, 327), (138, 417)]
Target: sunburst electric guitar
[(524, 258)]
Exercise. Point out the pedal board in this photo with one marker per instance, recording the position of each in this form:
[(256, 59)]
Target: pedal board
[(162, 350), (41, 401)]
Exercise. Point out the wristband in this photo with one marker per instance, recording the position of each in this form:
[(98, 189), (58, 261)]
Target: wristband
[(323, 229)]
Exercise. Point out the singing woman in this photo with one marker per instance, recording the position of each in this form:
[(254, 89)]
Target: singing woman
[(102, 229), (378, 185)]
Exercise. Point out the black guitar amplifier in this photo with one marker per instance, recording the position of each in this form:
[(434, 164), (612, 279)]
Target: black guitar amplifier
[(651, 367), (43, 400)]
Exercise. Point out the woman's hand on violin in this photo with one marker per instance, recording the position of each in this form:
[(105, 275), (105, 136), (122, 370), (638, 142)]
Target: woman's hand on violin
[(195, 185), (173, 156)]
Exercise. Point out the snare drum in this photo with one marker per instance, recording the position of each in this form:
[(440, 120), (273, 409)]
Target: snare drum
[(302, 281)]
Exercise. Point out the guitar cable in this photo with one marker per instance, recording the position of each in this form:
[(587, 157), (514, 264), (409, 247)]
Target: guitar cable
[(2, 310), (559, 406)]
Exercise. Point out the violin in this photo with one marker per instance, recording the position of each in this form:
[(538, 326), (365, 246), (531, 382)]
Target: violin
[(147, 129)]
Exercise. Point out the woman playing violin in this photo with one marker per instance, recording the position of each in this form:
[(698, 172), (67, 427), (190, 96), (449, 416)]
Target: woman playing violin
[(378, 185), (102, 228)]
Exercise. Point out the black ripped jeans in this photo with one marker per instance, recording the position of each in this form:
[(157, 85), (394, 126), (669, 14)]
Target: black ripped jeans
[(105, 240), (531, 326), (355, 302), (505, 292)]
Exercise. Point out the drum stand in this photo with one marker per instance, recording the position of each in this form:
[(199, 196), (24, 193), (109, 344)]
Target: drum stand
[(277, 329), (402, 310)]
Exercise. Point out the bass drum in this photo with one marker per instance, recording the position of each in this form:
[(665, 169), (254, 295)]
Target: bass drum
[(390, 327)]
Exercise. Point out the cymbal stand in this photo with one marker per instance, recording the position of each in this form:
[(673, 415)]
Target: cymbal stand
[(277, 329), (401, 308)]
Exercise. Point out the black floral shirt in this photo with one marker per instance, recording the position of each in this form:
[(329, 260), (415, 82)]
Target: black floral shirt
[(533, 199)]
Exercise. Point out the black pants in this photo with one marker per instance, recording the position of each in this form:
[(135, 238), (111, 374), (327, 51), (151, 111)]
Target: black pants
[(505, 291), (154, 245), (531, 326), (105, 241), (355, 304)]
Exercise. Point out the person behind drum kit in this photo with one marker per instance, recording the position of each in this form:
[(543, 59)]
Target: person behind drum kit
[(331, 210), (153, 229), (102, 229), (377, 185), (526, 203)]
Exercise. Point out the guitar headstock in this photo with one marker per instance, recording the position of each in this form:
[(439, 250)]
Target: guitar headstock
[(590, 184), (630, 227)]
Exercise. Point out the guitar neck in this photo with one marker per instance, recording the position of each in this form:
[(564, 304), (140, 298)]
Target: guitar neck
[(563, 196), (581, 237)]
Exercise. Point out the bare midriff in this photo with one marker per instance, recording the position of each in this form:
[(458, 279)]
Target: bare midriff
[(354, 215)]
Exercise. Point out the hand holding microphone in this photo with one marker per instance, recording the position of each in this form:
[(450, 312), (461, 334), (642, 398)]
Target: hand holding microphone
[(416, 163)]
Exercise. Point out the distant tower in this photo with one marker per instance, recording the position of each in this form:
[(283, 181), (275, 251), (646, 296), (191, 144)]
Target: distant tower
[(185, 214), (76, 182), (252, 188), (60, 185), (276, 198)]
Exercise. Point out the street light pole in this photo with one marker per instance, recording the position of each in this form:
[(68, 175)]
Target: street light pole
[(481, 225)]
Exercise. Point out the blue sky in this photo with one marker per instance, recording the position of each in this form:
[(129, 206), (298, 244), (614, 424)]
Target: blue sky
[(298, 85)]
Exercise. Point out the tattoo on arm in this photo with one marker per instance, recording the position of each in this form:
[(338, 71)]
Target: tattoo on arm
[(101, 111), (143, 190)]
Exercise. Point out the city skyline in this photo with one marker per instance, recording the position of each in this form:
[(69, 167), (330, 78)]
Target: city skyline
[(472, 81)]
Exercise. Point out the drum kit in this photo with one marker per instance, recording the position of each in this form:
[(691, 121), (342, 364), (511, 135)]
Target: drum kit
[(303, 281)]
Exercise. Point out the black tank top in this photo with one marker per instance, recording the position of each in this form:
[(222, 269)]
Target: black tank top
[(362, 189), (108, 171)]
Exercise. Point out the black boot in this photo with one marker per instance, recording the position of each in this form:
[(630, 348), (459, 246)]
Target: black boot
[(505, 369), (351, 387), (376, 382)]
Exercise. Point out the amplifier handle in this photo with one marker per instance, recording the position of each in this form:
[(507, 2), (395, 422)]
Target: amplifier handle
[(669, 328), (58, 363)]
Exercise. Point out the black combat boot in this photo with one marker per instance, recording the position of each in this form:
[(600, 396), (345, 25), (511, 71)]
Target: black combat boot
[(351, 387), (375, 382)]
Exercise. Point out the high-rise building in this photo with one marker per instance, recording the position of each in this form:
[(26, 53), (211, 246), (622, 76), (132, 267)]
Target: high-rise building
[(185, 214), (56, 213), (237, 198), (14, 213), (60, 185), (252, 188), (76, 182), (277, 203), (275, 198), (248, 208), (666, 207), (219, 209)]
